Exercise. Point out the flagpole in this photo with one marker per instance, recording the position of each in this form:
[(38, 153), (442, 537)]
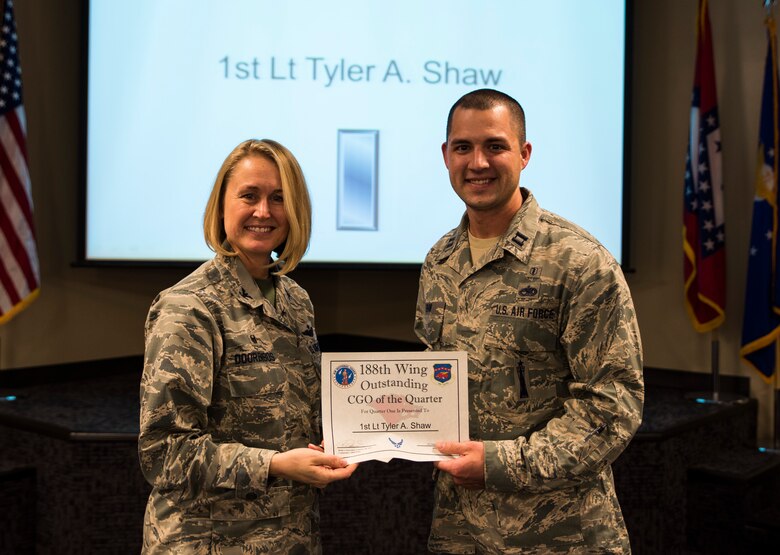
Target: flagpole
[(768, 6), (773, 397), (715, 364), (3, 397), (773, 446), (774, 412), (715, 396)]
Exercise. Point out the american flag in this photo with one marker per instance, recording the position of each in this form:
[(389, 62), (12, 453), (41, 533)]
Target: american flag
[(19, 271), (704, 234), (761, 324)]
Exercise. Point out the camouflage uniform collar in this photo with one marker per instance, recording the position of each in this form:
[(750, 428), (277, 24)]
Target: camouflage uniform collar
[(244, 288), (517, 240), (241, 283), (453, 239), (519, 237)]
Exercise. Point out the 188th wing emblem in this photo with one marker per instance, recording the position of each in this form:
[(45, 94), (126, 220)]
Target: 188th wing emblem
[(442, 373)]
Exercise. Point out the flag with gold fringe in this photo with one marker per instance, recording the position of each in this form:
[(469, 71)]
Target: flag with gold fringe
[(19, 271), (761, 324), (704, 245)]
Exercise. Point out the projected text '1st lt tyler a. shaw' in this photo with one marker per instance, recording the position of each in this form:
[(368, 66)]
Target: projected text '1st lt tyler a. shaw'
[(333, 72)]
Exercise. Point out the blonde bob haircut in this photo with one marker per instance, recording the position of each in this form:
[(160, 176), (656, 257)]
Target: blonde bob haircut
[(297, 205)]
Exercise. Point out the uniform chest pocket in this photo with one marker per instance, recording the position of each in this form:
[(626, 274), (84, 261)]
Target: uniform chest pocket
[(529, 347), (522, 328), (261, 380)]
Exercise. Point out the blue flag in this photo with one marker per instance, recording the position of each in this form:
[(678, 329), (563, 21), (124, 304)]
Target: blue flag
[(761, 324)]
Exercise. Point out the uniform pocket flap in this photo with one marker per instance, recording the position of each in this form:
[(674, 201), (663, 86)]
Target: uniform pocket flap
[(262, 379), (273, 504), (522, 335)]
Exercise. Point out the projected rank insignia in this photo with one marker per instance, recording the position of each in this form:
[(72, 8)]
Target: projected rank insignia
[(357, 197)]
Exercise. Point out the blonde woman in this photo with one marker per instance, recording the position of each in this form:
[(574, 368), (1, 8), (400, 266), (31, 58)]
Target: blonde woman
[(230, 393)]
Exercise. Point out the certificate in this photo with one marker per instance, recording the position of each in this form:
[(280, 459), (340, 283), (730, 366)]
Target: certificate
[(394, 405)]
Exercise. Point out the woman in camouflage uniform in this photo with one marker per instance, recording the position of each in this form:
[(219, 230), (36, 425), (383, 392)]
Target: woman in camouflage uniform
[(230, 393)]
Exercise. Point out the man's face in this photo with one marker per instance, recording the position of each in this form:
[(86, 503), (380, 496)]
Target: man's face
[(484, 157)]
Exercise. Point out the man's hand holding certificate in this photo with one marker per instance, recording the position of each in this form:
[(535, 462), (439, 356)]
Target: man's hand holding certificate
[(394, 405)]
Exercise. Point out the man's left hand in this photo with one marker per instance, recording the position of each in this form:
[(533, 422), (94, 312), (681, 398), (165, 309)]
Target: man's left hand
[(468, 470)]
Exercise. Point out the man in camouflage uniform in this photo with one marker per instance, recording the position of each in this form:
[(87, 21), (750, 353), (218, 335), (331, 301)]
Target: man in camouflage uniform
[(555, 371)]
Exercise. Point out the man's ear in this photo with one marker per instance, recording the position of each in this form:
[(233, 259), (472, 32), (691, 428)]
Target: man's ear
[(444, 154), (526, 151)]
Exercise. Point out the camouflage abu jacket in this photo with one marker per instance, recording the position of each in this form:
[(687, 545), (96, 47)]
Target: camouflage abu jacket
[(555, 385), (228, 381)]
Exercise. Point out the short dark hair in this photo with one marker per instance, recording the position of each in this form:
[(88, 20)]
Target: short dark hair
[(485, 99)]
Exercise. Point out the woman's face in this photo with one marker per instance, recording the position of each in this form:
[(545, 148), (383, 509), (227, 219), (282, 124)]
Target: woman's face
[(254, 217)]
